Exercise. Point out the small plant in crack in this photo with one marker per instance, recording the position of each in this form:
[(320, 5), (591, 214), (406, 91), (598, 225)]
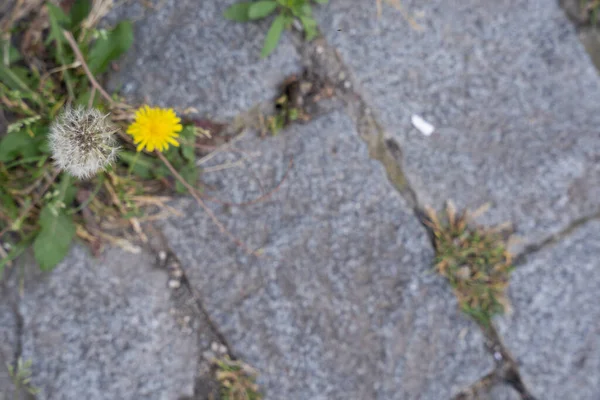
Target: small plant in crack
[(237, 380), (20, 375), (590, 10), (475, 262), (287, 12)]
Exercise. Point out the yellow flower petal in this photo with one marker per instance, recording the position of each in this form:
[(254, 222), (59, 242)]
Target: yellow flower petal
[(155, 128)]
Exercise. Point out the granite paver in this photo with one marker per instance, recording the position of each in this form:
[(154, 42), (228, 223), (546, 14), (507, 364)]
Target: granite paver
[(343, 302), (554, 330), (510, 90)]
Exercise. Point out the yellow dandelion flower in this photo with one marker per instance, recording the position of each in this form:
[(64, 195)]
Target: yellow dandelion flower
[(155, 128)]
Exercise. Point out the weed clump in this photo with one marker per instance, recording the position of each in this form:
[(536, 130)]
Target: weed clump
[(237, 380), (475, 262)]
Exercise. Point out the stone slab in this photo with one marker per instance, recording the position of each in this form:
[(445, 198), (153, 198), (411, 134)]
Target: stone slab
[(185, 54), (8, 339), (503, 392), (102, 329), (508, 86), (343, 303), (554, 331)]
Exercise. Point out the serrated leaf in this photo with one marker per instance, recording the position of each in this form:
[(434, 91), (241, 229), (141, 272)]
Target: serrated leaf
[(188, 153), (238, 11), (273, 35), (188, 139), (58, 20), (54, 239), (79, 11), (261, 9), (105, 50)]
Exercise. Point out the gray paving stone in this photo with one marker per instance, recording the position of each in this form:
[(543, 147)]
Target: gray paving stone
[(186, 54), (102, 329), (554, 331), (503, 392), (343, 303), (8, 342), (511, 92)]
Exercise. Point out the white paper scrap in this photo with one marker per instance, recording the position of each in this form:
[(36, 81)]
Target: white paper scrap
[(423, 126)]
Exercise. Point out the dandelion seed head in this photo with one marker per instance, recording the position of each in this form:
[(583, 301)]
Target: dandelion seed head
[(83, 141)]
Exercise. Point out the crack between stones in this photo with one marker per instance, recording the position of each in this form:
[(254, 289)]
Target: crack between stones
[(19, 332), (506, 370), (324, 64), (18, 316), (20, 324), (170, 255), (160, 244), (532, 249)]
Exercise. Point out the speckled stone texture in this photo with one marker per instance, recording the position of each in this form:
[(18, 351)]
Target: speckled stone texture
[(8, 335), (554, 331), (503, 392), (343, 303), (102, 329), (508, 86), (185, 54)]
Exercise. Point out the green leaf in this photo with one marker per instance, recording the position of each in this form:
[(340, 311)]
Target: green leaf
[(321, 1), (261, 9), (310, 27), (306, 10), (238, 12), (70, 193), (110, 48), (58, 20), (84, 98), (190, 173), (10, 78), (79, 11), (188, 152), (273, 35), (16, 144), (186, 143), (301, 8), (140, 164), (8, 49), (54, 239)]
